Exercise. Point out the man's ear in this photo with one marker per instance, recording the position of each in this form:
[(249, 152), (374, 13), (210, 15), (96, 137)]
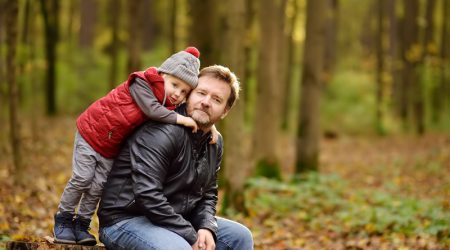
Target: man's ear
[(225, 113)]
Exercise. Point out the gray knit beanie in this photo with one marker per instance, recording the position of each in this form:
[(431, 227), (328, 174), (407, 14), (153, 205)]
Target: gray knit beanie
[(183, 65)]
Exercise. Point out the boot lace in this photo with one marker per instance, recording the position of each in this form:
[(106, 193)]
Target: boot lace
[(82, 224)]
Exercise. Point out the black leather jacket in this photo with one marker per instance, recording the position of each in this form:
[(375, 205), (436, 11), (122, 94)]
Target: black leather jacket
[(168, 174)]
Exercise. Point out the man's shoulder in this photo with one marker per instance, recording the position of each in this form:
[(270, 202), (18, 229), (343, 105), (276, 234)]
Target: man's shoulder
[(161, 135), (151, 126)]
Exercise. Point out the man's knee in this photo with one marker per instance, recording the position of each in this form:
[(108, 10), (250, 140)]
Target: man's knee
[(234, 235), (244, 234)]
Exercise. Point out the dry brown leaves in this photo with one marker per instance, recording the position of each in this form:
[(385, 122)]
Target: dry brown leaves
[(26, 211)]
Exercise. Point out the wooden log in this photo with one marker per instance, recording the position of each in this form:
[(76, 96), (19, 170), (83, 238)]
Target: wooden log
[(48, 244)]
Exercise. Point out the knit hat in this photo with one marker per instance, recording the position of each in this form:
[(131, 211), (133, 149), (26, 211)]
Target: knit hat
[(183, 65)]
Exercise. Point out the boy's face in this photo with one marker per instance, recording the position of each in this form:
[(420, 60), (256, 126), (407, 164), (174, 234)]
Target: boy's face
[(176, 89)]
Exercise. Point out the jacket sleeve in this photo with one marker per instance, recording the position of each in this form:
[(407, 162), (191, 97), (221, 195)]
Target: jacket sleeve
[(148, 103), (203, 216), (151, 153)]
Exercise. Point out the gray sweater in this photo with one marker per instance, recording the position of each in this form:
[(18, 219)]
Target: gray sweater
[(147, 102)]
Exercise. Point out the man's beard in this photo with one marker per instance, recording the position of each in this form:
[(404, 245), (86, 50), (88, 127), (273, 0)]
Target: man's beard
[(202, 118)]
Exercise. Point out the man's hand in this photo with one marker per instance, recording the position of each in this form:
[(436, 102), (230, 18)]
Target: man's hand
[(188, 122), (205, 240)]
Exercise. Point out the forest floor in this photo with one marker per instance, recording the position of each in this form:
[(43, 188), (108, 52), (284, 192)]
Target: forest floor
[(419, 166)]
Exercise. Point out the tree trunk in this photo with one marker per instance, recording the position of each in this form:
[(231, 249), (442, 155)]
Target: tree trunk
[(428, 39), (25, 58), (3, 83), (438, 92), (173, 27), (403, 86), (88, 9), (249, 48), (73, 11), (290, 55), (11, 20), (237, 159), (331, 39), (27, 64), (367, 34), (442, 92), (134, 35), (148, 27), (411, 62), (428, 45), (394, 58), (114, 17), (202, 32), (270, 84), (409, 31), (50, 13), (312, 82), (380, 68), (24, 43)]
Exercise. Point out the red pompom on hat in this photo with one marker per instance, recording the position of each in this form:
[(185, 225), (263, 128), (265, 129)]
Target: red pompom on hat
[(193, 51)]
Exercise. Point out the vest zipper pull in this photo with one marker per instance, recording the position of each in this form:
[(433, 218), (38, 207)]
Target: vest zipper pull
[(109, 134)]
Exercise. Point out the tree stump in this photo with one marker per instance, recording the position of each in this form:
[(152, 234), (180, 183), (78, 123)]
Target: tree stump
[(48, 244)]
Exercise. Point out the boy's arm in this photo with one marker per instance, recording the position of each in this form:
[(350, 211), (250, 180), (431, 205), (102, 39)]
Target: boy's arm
[(187, 122), (147, 102), (214, 135)]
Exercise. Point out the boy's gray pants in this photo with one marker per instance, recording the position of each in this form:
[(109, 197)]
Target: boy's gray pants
[(89, 173)]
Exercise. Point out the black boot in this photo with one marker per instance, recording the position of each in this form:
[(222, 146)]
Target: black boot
[(82, 232), (63, 229)]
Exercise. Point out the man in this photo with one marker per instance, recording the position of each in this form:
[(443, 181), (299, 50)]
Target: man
[(162, 190)]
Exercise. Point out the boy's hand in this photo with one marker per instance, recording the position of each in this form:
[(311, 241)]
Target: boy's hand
[(214, 134), (188, 122)]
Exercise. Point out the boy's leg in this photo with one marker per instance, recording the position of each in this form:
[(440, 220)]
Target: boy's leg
[(91, 197), (233, 235), (83, 168), (89, 201), (140, 233)]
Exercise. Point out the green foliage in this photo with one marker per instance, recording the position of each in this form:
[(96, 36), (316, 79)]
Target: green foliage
[(348, 105), (327, 202), (3, 240), (430, 79), (268, 170), (82, 79)]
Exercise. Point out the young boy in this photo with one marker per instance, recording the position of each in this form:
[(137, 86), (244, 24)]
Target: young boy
[(150, 94)]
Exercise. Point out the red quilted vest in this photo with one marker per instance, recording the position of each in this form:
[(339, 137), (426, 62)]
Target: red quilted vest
[(108, 121)]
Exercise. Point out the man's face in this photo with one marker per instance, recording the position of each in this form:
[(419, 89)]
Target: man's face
[(207, 103)]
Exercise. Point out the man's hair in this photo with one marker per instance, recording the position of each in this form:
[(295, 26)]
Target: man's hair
[(224, 74)]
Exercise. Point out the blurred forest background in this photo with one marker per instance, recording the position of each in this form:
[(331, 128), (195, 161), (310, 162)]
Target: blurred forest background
[(340, 139)]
